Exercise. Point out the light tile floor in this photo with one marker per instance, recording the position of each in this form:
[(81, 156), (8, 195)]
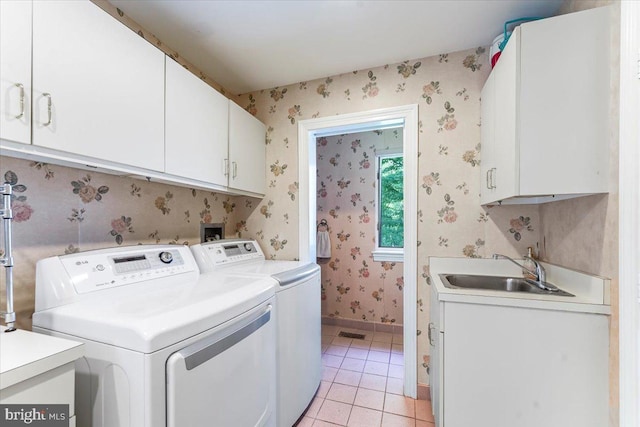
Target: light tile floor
[(362, 384)]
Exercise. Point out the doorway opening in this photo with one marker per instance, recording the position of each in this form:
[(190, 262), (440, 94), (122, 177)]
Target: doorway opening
[(359, 208), (405, 117)]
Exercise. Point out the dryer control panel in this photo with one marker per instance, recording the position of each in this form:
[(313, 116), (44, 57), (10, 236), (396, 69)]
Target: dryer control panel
[(95, 271), (59, 279), (215, 254)]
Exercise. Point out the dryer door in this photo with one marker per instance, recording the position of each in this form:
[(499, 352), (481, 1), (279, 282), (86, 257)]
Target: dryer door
[(227, 378)]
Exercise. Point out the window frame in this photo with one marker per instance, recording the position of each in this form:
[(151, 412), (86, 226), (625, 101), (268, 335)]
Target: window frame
[(381, 253)]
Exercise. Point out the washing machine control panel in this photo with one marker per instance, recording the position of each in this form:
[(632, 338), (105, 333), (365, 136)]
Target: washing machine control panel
[(97, 270), (223, 252)]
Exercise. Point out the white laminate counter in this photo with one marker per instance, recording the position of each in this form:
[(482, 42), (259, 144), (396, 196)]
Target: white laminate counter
[(592, 293), (25, 354)]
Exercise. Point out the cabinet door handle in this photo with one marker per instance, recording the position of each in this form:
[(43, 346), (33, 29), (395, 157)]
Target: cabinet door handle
[(493, 177), (431, 327), (21, 87), (488, 179), (225, 167), (49, 116), (235, 169)]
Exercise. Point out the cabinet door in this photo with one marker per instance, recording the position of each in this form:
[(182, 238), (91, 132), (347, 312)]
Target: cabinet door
[(487, 138), (196, 127), (505, 173), (247, 151), (98, 88), (15, 71), (565, 113), (511, 366)]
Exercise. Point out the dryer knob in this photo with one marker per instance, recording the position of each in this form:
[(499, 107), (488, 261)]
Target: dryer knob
[(248, 247), (166, 257)]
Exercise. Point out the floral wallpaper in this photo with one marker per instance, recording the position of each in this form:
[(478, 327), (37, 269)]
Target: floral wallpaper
[(451, 221), (59, 210), (353, 285)]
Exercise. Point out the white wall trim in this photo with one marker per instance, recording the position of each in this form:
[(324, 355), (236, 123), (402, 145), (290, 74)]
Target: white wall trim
[(629, 208), (388, 254), (353, 122)]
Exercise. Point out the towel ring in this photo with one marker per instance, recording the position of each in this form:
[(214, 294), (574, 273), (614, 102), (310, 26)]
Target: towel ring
[(323, 223)]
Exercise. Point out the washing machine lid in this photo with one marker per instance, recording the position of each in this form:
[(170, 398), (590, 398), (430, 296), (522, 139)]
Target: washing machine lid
[(244, 256), (263, 267), (156, 314), (285, 272)]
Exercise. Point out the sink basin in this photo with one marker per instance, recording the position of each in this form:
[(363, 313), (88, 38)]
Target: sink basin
[(497, 283)]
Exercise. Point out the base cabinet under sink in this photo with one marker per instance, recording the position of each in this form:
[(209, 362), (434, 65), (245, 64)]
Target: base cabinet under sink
[(502, 366)]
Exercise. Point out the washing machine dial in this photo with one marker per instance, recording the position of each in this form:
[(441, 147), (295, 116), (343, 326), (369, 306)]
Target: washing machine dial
[(248, 247), (166, 257)]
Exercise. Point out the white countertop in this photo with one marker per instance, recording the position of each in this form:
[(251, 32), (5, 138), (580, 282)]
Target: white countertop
[(25, 354), (592, 293)]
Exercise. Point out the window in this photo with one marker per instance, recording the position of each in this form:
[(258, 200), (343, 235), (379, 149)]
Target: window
[(389, 207)]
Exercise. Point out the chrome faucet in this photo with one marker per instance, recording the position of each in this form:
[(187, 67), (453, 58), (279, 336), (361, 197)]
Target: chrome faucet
[(540, 274)]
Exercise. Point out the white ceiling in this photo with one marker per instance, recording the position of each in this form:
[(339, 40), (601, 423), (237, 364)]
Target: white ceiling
[(247, 45)]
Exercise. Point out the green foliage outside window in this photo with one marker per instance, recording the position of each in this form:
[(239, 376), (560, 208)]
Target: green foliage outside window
[(391, 208)]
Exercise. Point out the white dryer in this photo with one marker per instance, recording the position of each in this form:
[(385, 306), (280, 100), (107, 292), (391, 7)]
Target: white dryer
[(165, 346), (298, 331)]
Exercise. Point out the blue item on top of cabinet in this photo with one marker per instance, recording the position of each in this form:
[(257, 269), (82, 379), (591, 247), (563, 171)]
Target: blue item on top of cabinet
[(507, 34)]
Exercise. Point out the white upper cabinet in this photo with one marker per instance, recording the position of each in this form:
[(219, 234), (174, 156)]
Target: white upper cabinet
[(15, 71), (545, 111), (196, 127), (98, 88), (247, 151), (84, 90)]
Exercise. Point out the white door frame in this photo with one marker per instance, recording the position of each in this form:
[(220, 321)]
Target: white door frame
[(629, 210), (307, 131)]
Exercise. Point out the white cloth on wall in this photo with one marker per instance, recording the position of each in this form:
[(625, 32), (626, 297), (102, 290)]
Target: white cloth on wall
[(323, 245)]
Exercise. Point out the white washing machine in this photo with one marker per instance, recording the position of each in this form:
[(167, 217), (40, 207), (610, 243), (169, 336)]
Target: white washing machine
[(298, 354), (165, 346)]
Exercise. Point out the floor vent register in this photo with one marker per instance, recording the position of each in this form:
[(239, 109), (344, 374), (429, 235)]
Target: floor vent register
[(351, 335)]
